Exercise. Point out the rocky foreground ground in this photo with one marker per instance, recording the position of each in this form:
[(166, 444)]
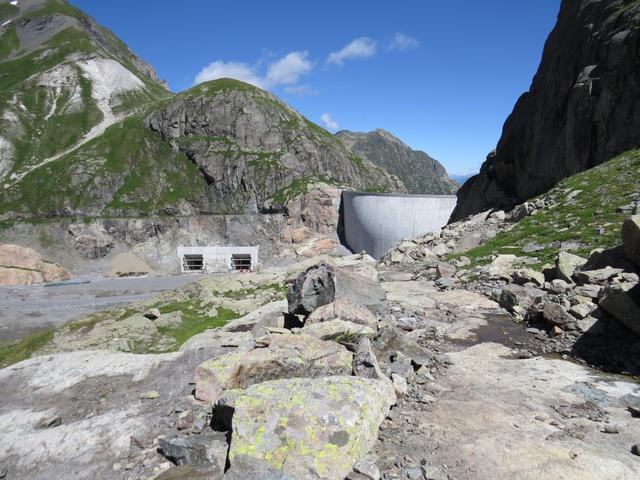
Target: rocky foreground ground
[(415, 367)]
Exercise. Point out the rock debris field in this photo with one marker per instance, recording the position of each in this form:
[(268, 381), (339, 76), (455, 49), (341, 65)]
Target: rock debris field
[(365, 371)]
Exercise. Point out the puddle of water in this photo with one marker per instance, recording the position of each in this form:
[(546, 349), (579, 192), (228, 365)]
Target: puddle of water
[(501, 329)]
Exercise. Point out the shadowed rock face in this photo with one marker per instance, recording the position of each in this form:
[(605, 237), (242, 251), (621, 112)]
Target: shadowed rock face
[(418, 171), (582, 109)]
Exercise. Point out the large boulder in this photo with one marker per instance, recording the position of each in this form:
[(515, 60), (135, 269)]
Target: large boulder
[(24, 266), (208, 450), (631, 238), (312, 288), (343, 309), (275, 357), (339, 331), (359, 287), (517, 298), (612, 257), (556, 315), (567, 264), (596, 277), (623, 302), (309, 428)]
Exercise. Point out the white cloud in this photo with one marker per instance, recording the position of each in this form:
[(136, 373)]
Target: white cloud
[(402, 42), (328, 122), (289, 69), (284, 71), (362, 47), (237, 70)]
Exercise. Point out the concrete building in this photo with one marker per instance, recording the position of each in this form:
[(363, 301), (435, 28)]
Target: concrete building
[(377, 222), (217, 259)]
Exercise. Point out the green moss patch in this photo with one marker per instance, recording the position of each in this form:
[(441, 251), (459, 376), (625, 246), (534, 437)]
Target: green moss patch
[(22, 349), (194, 320)]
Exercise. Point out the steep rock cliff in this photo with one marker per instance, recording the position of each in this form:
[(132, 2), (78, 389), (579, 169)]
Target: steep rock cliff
[(583, 107)]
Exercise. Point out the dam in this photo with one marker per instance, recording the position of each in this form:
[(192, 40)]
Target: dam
[(376, 222)]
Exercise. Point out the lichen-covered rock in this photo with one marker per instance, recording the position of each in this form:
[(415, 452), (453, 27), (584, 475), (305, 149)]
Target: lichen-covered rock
[(631, 238), (312, 289), (24, 266), (344, 309), (275, 357), (310, 428), (339, 331)]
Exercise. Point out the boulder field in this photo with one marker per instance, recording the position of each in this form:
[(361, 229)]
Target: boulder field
[(365, 371)]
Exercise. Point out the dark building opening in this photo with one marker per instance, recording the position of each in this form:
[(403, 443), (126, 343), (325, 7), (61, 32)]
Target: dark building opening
[(193, 262), (241, 261)]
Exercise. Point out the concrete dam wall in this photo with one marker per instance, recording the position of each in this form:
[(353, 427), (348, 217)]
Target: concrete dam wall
[(377, 222)]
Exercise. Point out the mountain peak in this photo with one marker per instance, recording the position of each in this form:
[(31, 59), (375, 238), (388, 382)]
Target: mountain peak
[(420, 173)]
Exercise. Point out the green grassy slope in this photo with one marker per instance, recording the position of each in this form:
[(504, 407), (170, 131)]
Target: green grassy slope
[(127, 171), (41, 121), (584, 210)]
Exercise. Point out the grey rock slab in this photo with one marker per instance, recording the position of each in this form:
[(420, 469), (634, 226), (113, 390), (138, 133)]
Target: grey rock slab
[(391, 340), (596, 277), (204, 450), (365, 363), (556, 315), (343, 309), (274, 357), (567, 264)]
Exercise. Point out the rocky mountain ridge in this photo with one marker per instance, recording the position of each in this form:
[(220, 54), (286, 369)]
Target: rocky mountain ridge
[(581, 110), (88, 131), (63, 81), (420, 173)]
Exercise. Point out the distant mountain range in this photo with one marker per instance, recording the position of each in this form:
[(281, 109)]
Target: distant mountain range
[(420, 173), (88, 130), (460, 179)]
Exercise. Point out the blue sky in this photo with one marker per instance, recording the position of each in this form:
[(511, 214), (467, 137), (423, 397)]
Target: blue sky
[(441, 75)]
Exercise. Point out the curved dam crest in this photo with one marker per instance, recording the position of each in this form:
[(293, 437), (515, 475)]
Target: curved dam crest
[(376, 222)]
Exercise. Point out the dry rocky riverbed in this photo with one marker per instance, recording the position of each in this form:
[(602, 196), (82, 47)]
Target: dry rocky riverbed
[(366, 371)]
